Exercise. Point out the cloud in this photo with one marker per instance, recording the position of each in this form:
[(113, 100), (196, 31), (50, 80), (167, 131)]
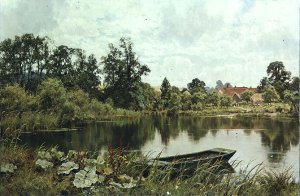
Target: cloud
[(231, 40), (28, 16)]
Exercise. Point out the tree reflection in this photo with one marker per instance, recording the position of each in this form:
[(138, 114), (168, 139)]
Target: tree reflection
[(277, 134)]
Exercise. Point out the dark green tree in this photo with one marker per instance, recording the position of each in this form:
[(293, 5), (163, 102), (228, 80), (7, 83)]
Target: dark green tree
[(122, 74), (264, 82), (294, 85), (165, 89), (278, 77), (23, 60), (196, 86)]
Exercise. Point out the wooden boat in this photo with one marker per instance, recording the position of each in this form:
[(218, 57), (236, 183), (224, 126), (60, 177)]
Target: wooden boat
[(193, 160)]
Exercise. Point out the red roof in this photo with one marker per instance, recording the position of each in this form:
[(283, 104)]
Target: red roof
[(230, 91)]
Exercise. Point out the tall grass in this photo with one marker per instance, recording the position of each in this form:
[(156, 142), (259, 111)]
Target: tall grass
[(150, 177)]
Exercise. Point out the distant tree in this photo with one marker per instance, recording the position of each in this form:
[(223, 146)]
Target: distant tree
[(246, 95), (294, 85), (278, 77), (263, 84), (227, 85), (175, 89), (213, 99), (292, 98), (219, 85), (270, 95), (196, 86), (175, 101), (198, 97), (225, 101), (165, 89), (122, 75), (186, 101)]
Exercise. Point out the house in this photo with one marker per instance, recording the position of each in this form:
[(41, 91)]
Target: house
[(257, 99), (235, 92)]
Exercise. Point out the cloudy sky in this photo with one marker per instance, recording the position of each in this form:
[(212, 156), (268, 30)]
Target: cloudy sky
[(230, 40)]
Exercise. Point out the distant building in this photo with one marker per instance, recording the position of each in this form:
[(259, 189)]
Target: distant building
[(257, 99), (235, 92)]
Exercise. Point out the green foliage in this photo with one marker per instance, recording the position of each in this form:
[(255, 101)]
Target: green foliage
[(165, 89), (198, 97), (51, 94), (246, 95), (225, 101), (294, 85), (84, 175), (292, 98), (278, 77), (15, 99), (213, 99), (186, 101), (27, 60), (175, 101), (196, 86), (270, 95), (123, 73)]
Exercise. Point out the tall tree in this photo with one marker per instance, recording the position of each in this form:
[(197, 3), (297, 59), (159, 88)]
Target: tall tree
[(165, 89), (23, 60), (122, 74), (196, 86), (278, 77)]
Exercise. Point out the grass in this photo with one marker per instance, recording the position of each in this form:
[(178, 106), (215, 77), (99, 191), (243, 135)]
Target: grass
[(206, 180)]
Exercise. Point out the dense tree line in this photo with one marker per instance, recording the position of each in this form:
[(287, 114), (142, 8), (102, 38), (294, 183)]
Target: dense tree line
[(29, 60)]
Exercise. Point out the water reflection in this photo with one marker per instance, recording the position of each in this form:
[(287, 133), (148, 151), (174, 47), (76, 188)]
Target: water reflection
[(274, 140)]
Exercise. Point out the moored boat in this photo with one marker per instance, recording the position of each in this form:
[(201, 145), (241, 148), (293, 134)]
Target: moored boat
[(192, 160)]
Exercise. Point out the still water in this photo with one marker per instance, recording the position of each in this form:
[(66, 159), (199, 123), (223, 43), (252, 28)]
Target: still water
[(272, 142)]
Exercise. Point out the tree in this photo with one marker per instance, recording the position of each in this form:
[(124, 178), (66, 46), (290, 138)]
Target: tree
[(294, 85), (122, 74), (213, 99), (227, 85), (246, 95), (264, 82), (186, 101), (198, 98), (52, 94), (196, 86), (165, 89), (219, 84), (292, 98), (15, 99), (225, 101), (270, 95), (278, 77), (87, 74), (23, 60)]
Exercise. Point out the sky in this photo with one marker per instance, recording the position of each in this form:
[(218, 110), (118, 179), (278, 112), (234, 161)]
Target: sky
[(229, 40)]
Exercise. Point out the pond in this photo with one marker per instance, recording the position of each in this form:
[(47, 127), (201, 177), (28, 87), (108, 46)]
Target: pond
[(272, 142)]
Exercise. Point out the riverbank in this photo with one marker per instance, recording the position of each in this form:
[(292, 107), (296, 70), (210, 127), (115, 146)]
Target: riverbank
[(49, 171)]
